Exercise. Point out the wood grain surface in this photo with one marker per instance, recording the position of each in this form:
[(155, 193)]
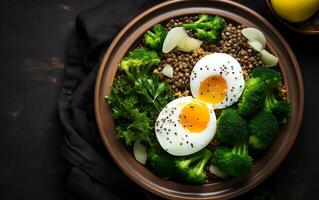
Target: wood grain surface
[(33, 39)]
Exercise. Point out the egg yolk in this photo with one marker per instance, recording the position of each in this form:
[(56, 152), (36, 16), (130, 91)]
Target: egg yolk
[(213, 89), (195, 116)]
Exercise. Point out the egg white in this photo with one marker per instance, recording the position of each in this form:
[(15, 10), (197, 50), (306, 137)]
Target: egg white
[(174, 138), (219, 64)]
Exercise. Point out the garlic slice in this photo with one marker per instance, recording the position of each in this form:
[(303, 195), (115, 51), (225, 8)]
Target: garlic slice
[(268, 59), (189, 44), (139, 151), (168, 71), (173, 37), (257, 46), (253, 34), (214, 170)]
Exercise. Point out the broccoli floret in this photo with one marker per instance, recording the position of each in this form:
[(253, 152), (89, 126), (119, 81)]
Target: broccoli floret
[(207, 27), (155, 37), (231, 127), (138, 62), (192, 168), (253, 97), (281, 109), (264, 129), (235, 161), (162, 164), (271, 77)]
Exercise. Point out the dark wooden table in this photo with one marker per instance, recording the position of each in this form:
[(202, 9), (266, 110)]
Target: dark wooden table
[(33, 39)]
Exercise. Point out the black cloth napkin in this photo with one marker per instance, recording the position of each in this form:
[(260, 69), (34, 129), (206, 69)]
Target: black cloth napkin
[(93, 174)]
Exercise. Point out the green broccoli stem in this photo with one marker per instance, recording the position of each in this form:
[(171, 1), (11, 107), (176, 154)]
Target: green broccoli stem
[(195, 25), (151, 34), (136, 72), (270, 100), (186, 163), (240, 148), (190, 26), (201, 165), (150, 66), (130, 76)]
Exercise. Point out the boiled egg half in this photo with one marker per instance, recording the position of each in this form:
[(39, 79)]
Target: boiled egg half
[(217, 79), (185, 126)]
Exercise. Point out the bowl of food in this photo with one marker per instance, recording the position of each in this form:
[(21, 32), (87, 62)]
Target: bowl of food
[(198, 99)]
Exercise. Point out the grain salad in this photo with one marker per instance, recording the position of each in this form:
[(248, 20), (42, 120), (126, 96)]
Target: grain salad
[(198, 97)]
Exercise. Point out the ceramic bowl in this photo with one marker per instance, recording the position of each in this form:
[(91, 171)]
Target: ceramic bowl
[(129, 37)]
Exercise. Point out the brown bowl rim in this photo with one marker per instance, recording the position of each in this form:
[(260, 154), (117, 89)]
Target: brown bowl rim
[(262, 174)]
